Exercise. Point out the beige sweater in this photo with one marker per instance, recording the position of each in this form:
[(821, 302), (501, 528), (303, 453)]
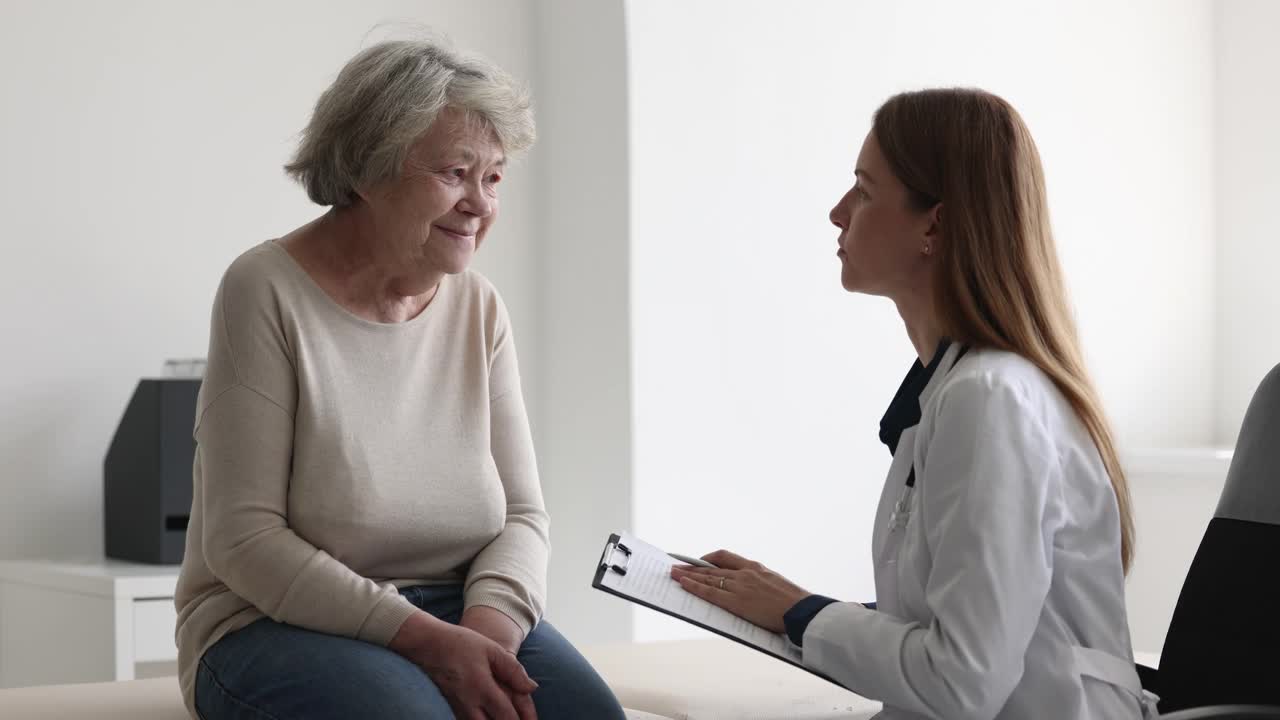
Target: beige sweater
[(338, 459)]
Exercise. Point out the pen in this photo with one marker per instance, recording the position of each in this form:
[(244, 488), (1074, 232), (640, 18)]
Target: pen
[(691, 560)]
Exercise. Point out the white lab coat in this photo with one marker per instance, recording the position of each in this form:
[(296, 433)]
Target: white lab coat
[(999, 586)]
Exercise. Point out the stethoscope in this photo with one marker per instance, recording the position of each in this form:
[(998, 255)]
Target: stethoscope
[(901, 513)]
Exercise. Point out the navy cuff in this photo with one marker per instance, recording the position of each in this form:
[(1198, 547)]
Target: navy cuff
[(797, 619)]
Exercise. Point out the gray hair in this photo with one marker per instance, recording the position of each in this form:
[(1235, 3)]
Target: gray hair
[(385, 99)]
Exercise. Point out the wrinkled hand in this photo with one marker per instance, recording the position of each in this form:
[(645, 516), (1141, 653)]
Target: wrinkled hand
[(749, 590), (495, 625), (479, 679)]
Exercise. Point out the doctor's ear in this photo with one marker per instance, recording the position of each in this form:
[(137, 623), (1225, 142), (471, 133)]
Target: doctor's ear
[(932, 233)]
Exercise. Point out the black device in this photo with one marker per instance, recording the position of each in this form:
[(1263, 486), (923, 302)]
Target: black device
[(146, 493)]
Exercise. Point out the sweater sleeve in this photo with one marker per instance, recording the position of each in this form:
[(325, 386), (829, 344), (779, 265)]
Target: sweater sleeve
[(510, 574), (991, 475), (244, 440)]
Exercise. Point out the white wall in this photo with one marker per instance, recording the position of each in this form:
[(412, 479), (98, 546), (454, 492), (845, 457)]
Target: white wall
[(1175, 493), (584, 427), (1247, 170), (142, 144), (758, 382)]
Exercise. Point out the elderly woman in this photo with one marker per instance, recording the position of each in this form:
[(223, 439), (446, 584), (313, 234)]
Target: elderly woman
[(367, 536)]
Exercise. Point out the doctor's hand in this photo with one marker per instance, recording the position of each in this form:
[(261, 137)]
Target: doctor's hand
[(743, 587)]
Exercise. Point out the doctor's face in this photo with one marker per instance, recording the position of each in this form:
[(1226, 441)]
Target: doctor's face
[(882, 239)]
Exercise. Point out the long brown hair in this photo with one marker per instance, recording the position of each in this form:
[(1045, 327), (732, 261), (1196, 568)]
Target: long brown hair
[(999, 283)]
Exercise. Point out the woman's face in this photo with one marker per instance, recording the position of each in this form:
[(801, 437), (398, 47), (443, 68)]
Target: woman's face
[(436, 214), (882, 240)]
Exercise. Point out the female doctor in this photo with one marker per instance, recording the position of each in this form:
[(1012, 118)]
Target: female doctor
[(1004, 530)]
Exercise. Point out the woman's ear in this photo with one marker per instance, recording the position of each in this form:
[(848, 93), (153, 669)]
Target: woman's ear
[(935, 222), (932, 230)]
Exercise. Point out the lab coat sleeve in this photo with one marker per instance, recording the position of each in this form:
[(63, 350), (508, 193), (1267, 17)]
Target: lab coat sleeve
[(990, 472)]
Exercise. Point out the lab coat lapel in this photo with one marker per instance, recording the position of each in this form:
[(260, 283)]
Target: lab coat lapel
[(887, 536)]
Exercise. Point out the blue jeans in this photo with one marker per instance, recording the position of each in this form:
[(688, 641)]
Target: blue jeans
[(273, 671)]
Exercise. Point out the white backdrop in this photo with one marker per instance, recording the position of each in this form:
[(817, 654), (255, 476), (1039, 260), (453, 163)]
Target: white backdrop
[(1247, 177)]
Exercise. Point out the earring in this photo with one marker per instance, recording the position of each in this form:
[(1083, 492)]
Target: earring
[(927, 249)]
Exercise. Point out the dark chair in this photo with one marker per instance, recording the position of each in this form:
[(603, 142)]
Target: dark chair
[(1226, 712), (1221, 655)]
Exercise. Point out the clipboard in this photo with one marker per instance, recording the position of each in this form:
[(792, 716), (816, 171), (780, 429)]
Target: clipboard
[(640, 573)]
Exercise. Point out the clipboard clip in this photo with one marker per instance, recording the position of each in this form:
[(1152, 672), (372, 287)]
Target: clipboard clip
[(609, 560)]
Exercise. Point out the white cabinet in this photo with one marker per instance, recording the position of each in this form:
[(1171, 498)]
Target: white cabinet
[(65, 622)]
